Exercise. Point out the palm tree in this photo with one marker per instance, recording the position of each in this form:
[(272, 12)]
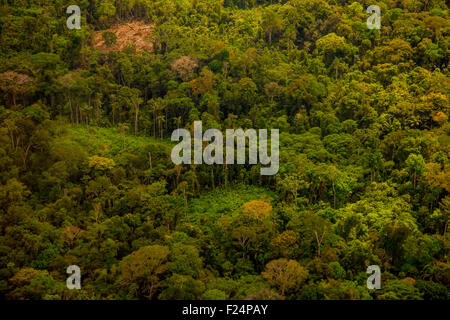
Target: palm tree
[(156, 105), (177, 121), (161, 120)]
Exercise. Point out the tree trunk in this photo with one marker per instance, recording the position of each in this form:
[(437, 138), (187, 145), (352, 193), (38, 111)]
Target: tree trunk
[(319, 242), (13, 93), (25, 156)]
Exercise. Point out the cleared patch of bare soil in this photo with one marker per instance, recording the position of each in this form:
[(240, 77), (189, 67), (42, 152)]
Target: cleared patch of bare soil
[(133, 33)]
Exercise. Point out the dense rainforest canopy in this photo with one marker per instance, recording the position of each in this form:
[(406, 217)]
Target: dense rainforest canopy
[(86, 178)]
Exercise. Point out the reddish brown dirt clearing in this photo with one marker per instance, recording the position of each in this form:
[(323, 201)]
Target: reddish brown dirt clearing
[(133, 33)]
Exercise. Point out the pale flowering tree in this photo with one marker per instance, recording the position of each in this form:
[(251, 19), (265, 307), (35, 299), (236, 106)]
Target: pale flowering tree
[(185, 67), (285, 274), (15, 83)]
